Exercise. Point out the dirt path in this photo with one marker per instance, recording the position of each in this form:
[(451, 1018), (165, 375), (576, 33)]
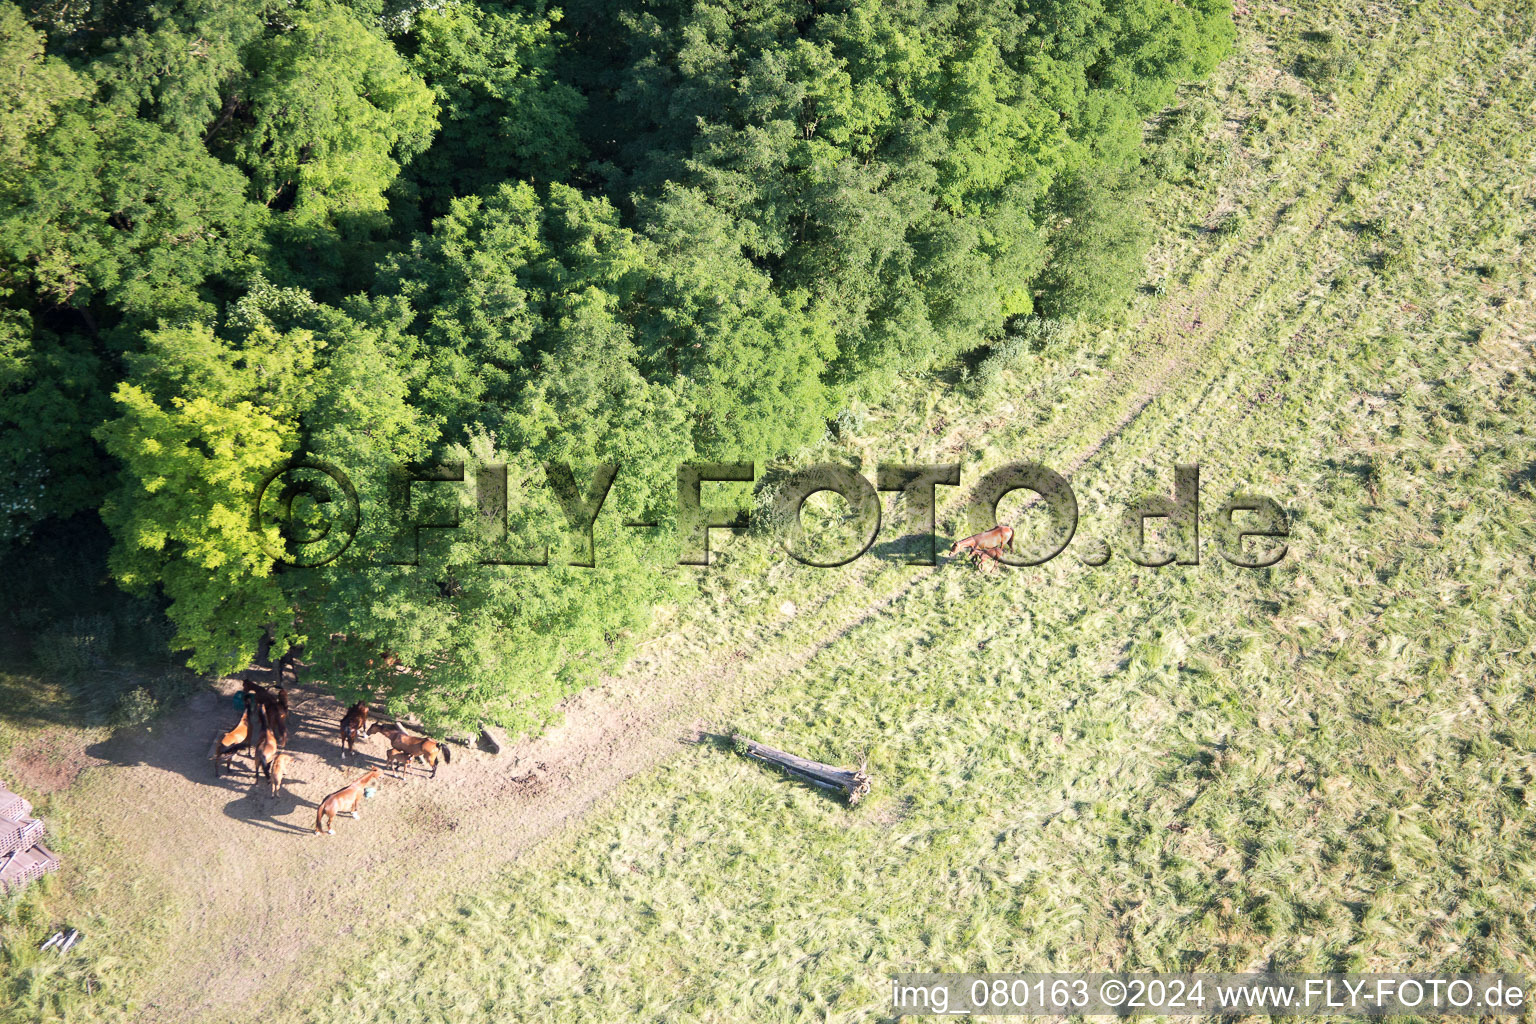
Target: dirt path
[(274, 894)]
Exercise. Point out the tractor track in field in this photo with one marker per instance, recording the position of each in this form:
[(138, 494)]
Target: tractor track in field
[(1190, 348), (275, 900), (1180, 357)]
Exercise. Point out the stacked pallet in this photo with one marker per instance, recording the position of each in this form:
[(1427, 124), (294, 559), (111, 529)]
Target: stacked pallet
[(23, 857)]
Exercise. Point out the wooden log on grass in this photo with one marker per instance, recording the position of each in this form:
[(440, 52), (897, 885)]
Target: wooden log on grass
[(853, 782)]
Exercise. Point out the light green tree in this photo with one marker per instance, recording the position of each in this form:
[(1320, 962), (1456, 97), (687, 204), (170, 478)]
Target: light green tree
[(181, 515), (329, 113)]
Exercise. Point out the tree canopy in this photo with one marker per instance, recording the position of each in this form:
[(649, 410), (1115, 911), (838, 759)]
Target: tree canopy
[(531, 242)]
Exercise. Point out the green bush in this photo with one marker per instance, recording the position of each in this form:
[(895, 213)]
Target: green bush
[(143, 630), (850, 421), (1187, 141), (136, 707), (1167, 163), (1026, 336), (72, 648)]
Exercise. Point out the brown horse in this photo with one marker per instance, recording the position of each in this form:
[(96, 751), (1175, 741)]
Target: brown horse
[(230, 743), (274, 707), (278, 769), (409, 746), (258, 691), (344, 801), (277, 716), (266, 747), (988, 543), (354, 726), (393, 757)]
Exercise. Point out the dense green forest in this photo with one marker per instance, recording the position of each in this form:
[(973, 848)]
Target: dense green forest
[(641, 232)]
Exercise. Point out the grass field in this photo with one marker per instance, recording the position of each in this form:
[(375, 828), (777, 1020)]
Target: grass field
[(1327, 765)]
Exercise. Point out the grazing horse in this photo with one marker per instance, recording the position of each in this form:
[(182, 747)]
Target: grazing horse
[(226, 746), (277, 769), (344, 801), (407, 746), (988, 542), (354, 725)]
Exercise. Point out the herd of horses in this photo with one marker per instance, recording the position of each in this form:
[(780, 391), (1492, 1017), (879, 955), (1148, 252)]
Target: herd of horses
[(263, 725), (263, 730)]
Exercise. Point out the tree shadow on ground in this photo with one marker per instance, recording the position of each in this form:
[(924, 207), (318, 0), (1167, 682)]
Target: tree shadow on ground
[(182, 743)]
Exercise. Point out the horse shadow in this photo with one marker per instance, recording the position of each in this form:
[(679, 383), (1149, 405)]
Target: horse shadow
[(181, 742), (912, 549), (259, 807)]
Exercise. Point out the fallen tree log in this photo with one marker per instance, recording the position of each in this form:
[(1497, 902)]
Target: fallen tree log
[(853, 782)]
